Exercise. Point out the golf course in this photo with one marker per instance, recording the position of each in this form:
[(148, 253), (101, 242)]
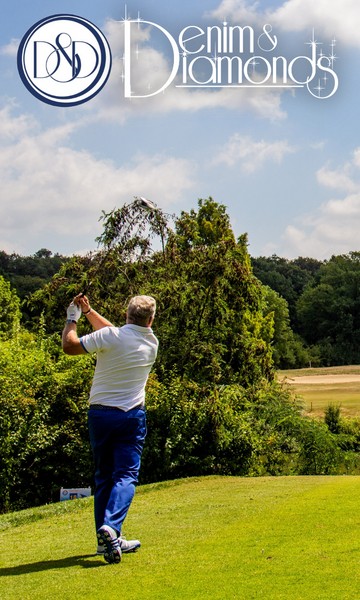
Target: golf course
[(328, 385), (205, 538), (215, 538)]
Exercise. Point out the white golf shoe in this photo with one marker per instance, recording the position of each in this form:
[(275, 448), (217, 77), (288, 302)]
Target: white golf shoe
[(126, 546), (107, 538)]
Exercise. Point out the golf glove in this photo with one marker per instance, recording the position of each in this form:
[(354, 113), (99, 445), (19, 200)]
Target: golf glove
[(73, 312)]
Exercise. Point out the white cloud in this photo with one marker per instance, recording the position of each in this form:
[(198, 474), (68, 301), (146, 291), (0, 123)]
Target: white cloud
[(320, 145), (249, 154), (244, 12), (339, 18), (336, 179), (356, 157), (344, 178), (12, 127), (326, 233), (348, 207), (51, 191), (334, 227), (11, 48)]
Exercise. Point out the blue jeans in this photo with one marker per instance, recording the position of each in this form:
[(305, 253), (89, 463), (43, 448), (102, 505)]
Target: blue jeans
[(117, 440)]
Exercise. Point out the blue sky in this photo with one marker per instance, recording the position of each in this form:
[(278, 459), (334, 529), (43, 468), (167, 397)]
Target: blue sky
[(284, 163)]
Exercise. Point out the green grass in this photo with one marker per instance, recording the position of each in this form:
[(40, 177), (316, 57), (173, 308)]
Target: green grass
[(344, 370), (317, 396), (216, 538)]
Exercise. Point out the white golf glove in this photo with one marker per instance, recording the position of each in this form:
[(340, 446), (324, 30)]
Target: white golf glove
[(73, 312)]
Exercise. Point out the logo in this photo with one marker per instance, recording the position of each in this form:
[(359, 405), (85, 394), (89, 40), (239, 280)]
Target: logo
[(225, 56), (64, 60)]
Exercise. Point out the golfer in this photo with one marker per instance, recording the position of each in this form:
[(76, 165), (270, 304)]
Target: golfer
[(116, 417)]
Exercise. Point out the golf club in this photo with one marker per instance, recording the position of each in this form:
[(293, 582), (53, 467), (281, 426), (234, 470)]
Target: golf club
[(145, 203)]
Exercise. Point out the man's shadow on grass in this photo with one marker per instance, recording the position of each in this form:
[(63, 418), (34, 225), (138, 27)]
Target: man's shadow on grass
[(48, 565)]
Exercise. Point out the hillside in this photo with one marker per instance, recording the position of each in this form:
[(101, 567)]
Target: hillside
[(215, 538)]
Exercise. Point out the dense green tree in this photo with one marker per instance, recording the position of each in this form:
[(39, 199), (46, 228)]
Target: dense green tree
[(210, 304), (308, 265), (329, 311), (288, 278), (43, 432), (230, 430), (9, 309), (288, 349), (210, 318), (28, 273)]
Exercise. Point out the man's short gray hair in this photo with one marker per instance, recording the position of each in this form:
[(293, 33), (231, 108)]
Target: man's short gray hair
[(141, 309)]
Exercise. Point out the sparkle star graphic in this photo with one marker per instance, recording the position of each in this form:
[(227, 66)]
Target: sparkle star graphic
[(253, 62), (319, 88), (127, 17), (332, 58), (313, 42)]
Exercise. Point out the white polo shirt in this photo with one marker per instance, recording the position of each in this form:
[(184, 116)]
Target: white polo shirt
[(124, 359)]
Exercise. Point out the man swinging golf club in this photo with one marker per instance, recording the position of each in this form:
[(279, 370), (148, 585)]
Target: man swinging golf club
[(116, 417)]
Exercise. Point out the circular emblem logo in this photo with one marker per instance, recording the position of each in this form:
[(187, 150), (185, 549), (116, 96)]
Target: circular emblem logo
[(64, 60)]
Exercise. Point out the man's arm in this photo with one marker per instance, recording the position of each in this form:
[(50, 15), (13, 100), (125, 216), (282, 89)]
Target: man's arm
[(95, 319), (70, 340)]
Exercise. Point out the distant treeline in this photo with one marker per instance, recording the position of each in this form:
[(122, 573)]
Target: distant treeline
[(316, 305), (29, 273), (323, 299)]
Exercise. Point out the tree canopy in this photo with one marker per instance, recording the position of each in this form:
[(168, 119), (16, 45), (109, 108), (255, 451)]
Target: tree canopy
[(9, 309), (329, 310), (210, 305)]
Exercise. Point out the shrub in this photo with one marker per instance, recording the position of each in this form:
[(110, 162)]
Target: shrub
[(332, 417), (230, 430), (43, 434)]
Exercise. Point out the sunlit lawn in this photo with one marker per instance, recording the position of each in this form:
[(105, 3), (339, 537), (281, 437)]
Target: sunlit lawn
[(216, 538), (317, 396)]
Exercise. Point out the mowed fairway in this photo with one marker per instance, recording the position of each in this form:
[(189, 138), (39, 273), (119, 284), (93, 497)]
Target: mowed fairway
[(330, 385), (215, 538)]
